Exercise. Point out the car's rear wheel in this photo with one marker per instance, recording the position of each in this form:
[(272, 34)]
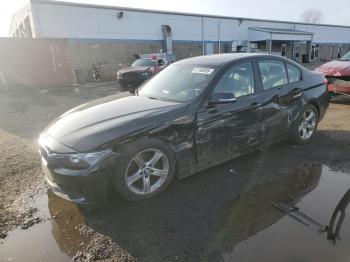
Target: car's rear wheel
[(146, 168), (305, 127)]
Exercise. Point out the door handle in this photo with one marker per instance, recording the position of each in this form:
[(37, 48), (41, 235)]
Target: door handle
[(298, 95), (297, 92), (256, 106)]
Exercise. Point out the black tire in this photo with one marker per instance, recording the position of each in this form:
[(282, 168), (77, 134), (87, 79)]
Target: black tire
[(128, 152), (296, 137), (132, 89), (123, 84)]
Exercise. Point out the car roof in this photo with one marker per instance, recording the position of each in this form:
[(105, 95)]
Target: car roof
[(220, 59)]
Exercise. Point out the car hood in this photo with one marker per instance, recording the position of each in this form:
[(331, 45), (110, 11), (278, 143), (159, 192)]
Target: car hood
[(135, 69), (93, 125), (335, 68)]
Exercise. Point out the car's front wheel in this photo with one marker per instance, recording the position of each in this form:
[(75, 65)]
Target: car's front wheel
[(305, 127), (147, 167), (123, 84)]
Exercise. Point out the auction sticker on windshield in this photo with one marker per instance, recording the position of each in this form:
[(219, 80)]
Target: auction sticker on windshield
[(202, 70)]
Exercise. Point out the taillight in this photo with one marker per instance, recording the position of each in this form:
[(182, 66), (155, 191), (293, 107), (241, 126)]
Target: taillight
[(326, 81)]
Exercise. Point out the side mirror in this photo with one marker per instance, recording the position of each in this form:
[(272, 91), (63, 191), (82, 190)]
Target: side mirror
[(222, 98)]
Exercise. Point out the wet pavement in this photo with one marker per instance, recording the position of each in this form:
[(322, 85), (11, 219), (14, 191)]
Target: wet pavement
[(26, 111), (230, 219), (226, 213)]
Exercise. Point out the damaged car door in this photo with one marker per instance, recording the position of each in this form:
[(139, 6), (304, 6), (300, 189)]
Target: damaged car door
[(229, 121), (280, 97), (290, 95)]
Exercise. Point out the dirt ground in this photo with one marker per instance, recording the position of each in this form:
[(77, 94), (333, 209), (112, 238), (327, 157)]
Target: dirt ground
[(205, 217), (20, 181)]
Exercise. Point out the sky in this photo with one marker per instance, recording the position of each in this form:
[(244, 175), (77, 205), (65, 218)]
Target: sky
[(336, 13)]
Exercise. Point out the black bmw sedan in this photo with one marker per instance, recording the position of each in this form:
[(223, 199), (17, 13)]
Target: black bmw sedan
[(195, 114)]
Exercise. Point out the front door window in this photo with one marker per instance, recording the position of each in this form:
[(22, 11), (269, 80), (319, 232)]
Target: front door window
[(238, 80)]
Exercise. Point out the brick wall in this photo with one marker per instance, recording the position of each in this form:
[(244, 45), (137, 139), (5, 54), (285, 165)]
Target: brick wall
[(110, 54), (182, 51), (115, 55)]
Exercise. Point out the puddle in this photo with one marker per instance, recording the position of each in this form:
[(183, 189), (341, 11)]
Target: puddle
[(56, 239), (239, 225), (289, 240)]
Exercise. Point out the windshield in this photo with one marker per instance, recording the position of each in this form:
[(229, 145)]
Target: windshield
[(178, 83), (144, 62), (346, 57)]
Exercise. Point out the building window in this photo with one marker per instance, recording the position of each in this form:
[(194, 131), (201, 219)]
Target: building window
[(28, 28), (316, 51), (332, 51), (340, 47), (284, 50)]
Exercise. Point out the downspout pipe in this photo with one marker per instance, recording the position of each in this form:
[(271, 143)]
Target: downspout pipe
[(203, 51), (219, 37)]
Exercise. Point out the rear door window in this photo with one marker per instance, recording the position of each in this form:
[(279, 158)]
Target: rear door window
[(273, 73), (294, 73)]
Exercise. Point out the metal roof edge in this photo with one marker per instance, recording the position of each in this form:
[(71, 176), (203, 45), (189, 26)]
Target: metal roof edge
[(292, 32)]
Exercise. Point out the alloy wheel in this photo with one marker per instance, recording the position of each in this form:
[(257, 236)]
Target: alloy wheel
[(307, 124), (147, 171)]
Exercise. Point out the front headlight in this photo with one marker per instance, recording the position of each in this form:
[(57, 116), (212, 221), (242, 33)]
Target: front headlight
[(83, 160), (89, 158)]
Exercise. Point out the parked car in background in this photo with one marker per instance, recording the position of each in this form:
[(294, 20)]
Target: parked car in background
[(338, 75), (139, 71), (196, 113)]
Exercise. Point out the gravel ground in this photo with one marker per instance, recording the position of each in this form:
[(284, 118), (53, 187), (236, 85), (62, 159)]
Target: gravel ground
[(24, 113), (166, 228)]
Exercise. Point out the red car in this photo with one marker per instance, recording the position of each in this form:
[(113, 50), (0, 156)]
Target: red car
[(139, 71), (338, 75)]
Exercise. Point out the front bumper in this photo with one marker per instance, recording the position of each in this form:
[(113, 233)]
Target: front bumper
[(133, 79), (85, 187)]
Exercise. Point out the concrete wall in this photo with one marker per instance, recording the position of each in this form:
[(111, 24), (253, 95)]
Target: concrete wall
[(34, 62)]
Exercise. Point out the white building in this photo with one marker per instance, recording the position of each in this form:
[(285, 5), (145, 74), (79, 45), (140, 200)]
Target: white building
[(114, 35)]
